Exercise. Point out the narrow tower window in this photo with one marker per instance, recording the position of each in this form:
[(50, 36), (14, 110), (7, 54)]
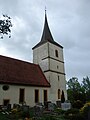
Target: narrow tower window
[(57, 67), (56, 53), (58, 77), (59, 96)]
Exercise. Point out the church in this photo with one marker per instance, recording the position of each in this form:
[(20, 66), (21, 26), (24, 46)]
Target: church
[(37, 82)]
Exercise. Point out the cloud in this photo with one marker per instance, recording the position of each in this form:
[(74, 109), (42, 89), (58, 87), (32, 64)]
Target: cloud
[(69, 23)]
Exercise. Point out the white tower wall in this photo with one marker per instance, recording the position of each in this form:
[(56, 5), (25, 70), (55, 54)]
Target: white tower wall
[(52, 66)]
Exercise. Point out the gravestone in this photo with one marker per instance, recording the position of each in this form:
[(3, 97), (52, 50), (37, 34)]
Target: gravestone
[(46, 103), (16, 106), (58, 103), (67, 101), (9, 107), (65, 106), (25, 108), (1, 106), (51, 106), (38, 110)]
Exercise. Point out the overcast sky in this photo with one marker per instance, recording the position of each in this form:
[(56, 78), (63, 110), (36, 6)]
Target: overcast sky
[(69, 22)]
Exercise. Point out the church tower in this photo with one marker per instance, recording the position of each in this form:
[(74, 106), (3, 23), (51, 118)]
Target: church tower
[(49, 55)]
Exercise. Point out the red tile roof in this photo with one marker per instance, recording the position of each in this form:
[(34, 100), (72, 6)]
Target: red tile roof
[(13, 71)]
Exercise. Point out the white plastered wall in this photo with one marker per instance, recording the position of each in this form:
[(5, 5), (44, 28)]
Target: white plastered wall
[(13, 94), (45, 56)]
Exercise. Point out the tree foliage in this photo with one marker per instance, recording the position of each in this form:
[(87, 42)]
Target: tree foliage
[(86, 87), (5, 26), (86, 84), (74, 89), (77, 91), (73, 83)]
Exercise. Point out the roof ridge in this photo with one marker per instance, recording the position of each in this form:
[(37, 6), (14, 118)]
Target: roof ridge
[(19, 60)]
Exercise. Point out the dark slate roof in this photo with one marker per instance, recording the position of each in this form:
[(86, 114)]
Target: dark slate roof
[(13, 71), (46, 36)]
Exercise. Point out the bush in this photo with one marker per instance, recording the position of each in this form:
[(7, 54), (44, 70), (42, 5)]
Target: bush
[(77, 104), (85, 109), (73, 114), (75, 117), (72, 111), (49, 117), (59, 111)]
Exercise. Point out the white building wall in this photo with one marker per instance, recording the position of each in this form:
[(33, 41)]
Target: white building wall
[(52, 49), (55, 85), (40, 53), (57, 66), (13, 94)]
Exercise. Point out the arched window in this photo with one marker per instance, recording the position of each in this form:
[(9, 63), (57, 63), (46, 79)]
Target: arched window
[(58, 78), (57, 67), (62, 97), (56, 53), (59, 95)]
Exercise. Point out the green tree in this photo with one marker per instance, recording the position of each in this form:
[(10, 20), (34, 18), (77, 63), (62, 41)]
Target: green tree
[(75, 91), (5, 26), (86, 87)]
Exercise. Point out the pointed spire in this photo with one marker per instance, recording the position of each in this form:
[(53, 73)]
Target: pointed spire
[(46, 36)]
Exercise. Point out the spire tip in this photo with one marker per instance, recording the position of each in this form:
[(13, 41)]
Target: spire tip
[(45, 9)]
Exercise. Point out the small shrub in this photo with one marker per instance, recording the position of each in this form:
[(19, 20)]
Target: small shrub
[(25, 114), (73, 114), (85, 109), (77, 116), (14, 111), (72, 111), (59, 111), (77, 104)]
